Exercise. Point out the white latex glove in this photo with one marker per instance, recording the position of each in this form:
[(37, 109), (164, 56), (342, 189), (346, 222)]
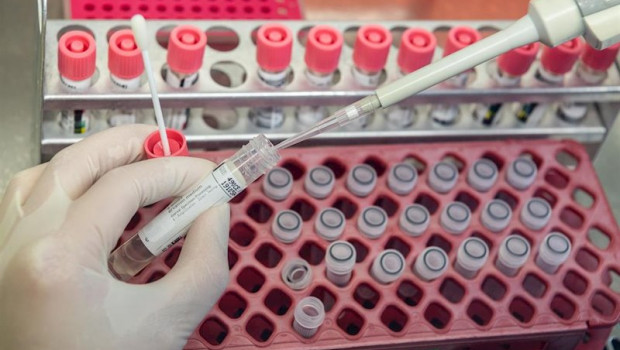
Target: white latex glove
[(58, 224)]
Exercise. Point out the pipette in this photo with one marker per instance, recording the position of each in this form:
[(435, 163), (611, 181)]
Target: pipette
[(550, 21)]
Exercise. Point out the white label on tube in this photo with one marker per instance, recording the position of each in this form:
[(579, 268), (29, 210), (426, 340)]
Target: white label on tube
[(170, 225)]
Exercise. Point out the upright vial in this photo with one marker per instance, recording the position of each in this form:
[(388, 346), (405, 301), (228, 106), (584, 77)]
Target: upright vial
[(414, 220), (278, 183), (431, 264), (473, 253), (536, 213), (521, 173), (274, 45), (322, 55), (340, 261), (126, 67), (482, 175), (319, 182), (308, 316), (370, 52), (402, 177), (513, 254), (186, 48), (496, 215), (175, 118), (455, 218), (553, 252), (330, 224), (594, 64), (286, 226), (388, 266), (443, 177), (372, 222), (361, 180), (556, 62)]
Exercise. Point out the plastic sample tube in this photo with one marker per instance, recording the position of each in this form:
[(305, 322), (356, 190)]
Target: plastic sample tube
[(473, 253), (286, 226), (553, 252), (274, 46), (455, 218), (388, 266), (330, 224), (319, 182), (224, 183), (340, 261), (322, 55), (521, 173), (308, 316), (296, 274), (372, 222), (186, 49), (496, 215), (307, 116), (278, 183), (402, 177), (361, 180), (593, 63), (414, 220), (482, 175), (176, 118), (513, 253), (370, 52), (555, 62), (431, 263), (443, 176), (535, 214)]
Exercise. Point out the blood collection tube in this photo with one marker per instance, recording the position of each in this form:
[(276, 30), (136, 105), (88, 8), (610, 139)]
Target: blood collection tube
[(322, 54), (361, 180), (186, 48), (482, 175), (521, 173), (388, 266), (513, 253), (496, 215), (473, 253), (319, 182), (330, 224), (414, 220), (402, 177), (372, 222), (308, 316), (443, 177), (370, 52), (340, 261), (296, 274), (431, 263), (455, 218), (554, 250), (286, 226), (535, 214), (225, 182), (278, 183)]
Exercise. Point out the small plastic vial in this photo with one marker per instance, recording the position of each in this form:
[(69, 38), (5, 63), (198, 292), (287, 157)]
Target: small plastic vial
[(535, 214), (362, 180), (473, 253), (176, 118), (556, 62), (76, 121), (340, 261), (278, 183), (296, 274), (521, 173), (322, 54), (286, 226), (388, 266), (402, 177), (414, 220), (482, 175), (370, 52), (593, 64), (513, 253), (308, 316), (274, 45), (431, 263), (443, 177), (226, 181), (455, 218), (319, 182), (330, 224), (572, 112), (372, 222), (186, 49), (307, 116), (496, 215), (553, 252), (267, 117)]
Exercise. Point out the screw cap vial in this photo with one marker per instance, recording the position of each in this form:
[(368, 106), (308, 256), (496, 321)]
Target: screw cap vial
[(496, 215), (278, 183), (361, 180), (518, 61), (553, 252), (402, 177), (330, 224), (186, 49), (455, 217), (482, 175), (414, 220), (124, 55), (536, 213), (388, 266), (371, 48), (319, 182), (460, 37), (443, 176), (286, 226), (274, 46), (473, 253), (431, 263), (560, 60), (513, 253), (323, 49), (296, 274), (308, 316), (521, 173), (372, 222), (77, 56), (340, 261), (417, 47)]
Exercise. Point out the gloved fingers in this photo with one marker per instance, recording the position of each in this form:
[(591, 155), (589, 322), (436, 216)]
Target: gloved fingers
[(19, 188), (102, 213), (78, 166)]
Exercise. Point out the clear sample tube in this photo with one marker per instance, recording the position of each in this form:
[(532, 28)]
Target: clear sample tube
[(278, 183), (186, 49), (482, 175), (388, 266), (274, 45), (308, 316), (443, 177), (224, 183), (323, 47), (536, 213), (496, 215), (176, 118), (296, 274), (340, 261), (286, 226), (473, 253), (319, 182), (513, 253), (402, 177), (372, 222), (414, 220), (307, 116), (267, 117), (455, 218), (330, 224), (521, 173), (553, 252), (431, 263), (572, 112), (370, 52), (361, 180)]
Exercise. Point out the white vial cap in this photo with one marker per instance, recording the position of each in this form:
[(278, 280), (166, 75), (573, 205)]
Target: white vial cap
[(286, 226), (521, 173), (443, 176), (431, 263), (496, 215), (340, 260), (471, 256), (536, 213), (553, 252), (455, 217), (414, 220), (388, 266), (329, 224), (402, 178), (297, 274), (513, 253), (482, 175), (372, 222), (309, 315), (319, 182), (362, 180), (278, 183)]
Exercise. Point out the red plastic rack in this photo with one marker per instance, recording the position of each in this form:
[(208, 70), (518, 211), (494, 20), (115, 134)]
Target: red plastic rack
[(573, 309)]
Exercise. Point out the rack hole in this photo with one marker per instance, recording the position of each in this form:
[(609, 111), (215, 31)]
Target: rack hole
[(416, 162), (437, 240), (115, 29), (197, 9), (260, 328), (497, 160), (563, 307), (452, 290), (469, 200), (336, 166), (251, 279), (71, 27), (297, 169), (260, 211), (89, 7), (507, 197), (534, 285), (571, 217), (426, 200), (163, 35), (441, 34), (494, 288), (214, 9), (599, 238), (172, 257), (531, 155), (231, 9), (350, 321), (302, 35), (346, 206), (409, 293), (556, 178), (547, 196), (376, 164), (312, 253), (179, 8), (242, 234), (107, 7), (268, 255), (456, 160), (135, 220), (394, 319), (278, 302), (484, 238), (567, 159), (232, 304), (248, 9), (232, 258), (228, 74), (397, 33), (583, 197), (388, 204), (480, 312), (603, 304), (220, 119), (143, 8), (437, 315), (366, 296), (398, 244), (612, 280), (350, 35), (521, 310), (157, 275), (265, 9), (213, 331), (361, 251), (304, 208), (328, 298), (574, 282)]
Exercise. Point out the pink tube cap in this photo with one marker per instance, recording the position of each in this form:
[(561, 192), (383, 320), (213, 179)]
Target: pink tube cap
[(274, 46), (176, 140), (372, 46), (76, 55), (186, 48), (600, 60), (124, 56), (460, 37), (417, 47), (323, 49), (561, 59), (518, 61)]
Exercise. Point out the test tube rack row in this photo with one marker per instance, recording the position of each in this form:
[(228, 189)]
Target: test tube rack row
[(573, 308), (228, 88)]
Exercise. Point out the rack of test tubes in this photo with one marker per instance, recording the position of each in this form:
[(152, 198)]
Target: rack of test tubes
[(221, 82), (478, 245)]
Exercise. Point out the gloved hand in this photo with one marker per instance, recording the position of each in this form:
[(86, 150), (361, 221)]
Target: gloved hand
[(58, 223)]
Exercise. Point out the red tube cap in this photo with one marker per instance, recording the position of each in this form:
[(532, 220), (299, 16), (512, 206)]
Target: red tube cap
[(460, 37), (186, 48), (600, 60), (76, 55), (518, 61), (323, 49), (176, 140), (417, 47), (372, 46), (274, 46), (561, 59), (124, 56)]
